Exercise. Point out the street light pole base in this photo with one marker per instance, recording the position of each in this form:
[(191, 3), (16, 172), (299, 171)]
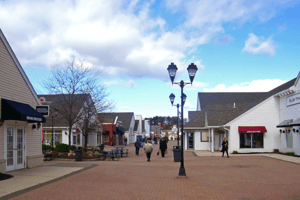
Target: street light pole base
[(181, 171)]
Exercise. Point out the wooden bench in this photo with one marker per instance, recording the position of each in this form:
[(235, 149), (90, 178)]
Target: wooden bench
[(47, 154)]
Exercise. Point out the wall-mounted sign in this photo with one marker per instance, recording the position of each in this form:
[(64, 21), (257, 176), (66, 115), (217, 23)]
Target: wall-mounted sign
[(292, 100), (44, 110), (42, 99)]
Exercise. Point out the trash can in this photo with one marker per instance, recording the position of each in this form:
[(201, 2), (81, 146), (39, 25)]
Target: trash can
[(177, 153), (101, 147), (78, 154)]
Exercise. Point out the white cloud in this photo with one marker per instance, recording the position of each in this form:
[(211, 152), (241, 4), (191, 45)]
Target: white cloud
[(124, 108), (256, 45), (254, 86), (189, 106), (130, 83)]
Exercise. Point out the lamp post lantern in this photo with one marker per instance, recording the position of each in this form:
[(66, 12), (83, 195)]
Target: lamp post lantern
[(192, 69)]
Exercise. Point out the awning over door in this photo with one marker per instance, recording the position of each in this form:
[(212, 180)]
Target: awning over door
[(12, 110), (295, 123), (251, 129), (119, 130), (285, 123)]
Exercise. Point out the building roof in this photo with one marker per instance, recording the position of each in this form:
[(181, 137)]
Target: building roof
[(124, 117), (136, 125), (221, 108), (192, 114), (58, 101)]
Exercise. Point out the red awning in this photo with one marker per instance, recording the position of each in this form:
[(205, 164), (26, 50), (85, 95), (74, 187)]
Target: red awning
[(251, 129)]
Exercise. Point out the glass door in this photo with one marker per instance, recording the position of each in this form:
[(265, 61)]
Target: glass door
[(191, 140), (14, 148)]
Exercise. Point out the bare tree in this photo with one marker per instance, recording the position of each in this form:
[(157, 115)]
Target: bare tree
[(82, 95)]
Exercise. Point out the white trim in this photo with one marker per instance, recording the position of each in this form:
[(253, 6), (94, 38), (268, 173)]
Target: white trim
[(13, 56)]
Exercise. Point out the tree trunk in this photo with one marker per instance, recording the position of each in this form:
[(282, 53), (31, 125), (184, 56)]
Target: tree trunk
[(70, 131)]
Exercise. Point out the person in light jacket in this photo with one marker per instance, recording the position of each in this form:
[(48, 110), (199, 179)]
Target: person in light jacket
[(148, 150)]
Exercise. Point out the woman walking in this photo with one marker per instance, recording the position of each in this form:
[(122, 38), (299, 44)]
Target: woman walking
[(148, 150), (225, 147)]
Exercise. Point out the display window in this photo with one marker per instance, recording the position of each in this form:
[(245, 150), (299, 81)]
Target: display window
[(251, 140)]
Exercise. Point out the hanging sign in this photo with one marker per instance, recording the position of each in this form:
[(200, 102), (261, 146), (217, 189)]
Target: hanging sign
[(44, 110)]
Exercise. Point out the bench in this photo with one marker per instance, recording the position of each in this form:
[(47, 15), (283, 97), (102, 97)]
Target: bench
[(47, 154), (113, 155), (125, 152)]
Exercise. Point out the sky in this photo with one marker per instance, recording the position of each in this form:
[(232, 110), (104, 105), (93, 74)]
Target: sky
[(237, 45)]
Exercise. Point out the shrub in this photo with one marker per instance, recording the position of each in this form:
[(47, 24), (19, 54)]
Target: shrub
[(235, 152), (73, 147), (47, 147), (276, 150), (61, 147), (60, 154), (290, 153)]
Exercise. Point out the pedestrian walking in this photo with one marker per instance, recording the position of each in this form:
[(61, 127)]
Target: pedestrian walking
[(163, 147), (225, 147), (137, 145), (125, 141), (148, 150)]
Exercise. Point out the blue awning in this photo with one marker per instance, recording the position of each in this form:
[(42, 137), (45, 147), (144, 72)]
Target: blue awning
[(106, 132), (12, 110), (119, 130)]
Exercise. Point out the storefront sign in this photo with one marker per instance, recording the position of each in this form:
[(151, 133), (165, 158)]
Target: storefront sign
[(34, 118), (44, 110), (295, 99)]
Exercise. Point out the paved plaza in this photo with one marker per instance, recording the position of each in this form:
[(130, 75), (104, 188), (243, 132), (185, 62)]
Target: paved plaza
[(208, 177)]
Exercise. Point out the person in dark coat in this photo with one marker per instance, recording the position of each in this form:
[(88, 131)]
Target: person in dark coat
[(225, 147), (137, 145), (163, 146)]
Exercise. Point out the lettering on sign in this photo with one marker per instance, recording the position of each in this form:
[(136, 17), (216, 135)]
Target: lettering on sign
[(34, 118), (292, 100), (44, 110)]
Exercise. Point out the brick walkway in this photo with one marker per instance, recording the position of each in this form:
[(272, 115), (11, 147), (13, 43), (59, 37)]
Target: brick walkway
[(238, 177)]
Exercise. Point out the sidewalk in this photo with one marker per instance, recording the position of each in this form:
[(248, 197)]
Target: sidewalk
[(208, 177)]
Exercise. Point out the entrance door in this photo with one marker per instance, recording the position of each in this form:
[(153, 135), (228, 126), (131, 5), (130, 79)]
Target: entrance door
[(14, 147), (190, 140)]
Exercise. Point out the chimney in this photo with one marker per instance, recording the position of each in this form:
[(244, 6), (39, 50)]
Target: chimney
[(234, 105)]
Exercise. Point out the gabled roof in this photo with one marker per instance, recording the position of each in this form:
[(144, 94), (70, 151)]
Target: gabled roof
[(17, 63), (58, 100), (136, 125), (192, 114), (218, 108), (124, 117)]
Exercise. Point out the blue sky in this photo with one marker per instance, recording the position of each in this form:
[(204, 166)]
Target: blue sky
[(238, 46)]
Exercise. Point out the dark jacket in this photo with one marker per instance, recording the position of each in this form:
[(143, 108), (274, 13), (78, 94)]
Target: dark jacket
[(137, 144), (224, 147), (163, 145)]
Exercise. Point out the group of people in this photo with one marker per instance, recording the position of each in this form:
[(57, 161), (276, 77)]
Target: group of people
[(148, 148)]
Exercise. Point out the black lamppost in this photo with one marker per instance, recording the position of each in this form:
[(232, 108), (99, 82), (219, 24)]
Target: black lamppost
[(172, 98), (53, 116), (192, 69)]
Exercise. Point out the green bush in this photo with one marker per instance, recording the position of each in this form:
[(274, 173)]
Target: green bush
[(62, 147), (290, 153), (47, 147), (235, 152), (73, 147), (276, 150)]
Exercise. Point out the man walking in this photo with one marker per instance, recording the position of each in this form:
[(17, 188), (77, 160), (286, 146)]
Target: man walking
[(148, 150), (125, 140), (163, 146), (137, 145)]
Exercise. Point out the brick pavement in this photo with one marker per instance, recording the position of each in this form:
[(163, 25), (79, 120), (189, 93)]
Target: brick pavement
[(240, 177)]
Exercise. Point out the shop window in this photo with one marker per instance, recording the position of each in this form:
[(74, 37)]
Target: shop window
[(74, 139), (289, 139), (105, 138), (98, 138), (57, 138), (204, 136), (251, 140)]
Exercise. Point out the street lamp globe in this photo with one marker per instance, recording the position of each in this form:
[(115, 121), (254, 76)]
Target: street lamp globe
[(183, 98), (172, 98), (172, 71), (192, 69)]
